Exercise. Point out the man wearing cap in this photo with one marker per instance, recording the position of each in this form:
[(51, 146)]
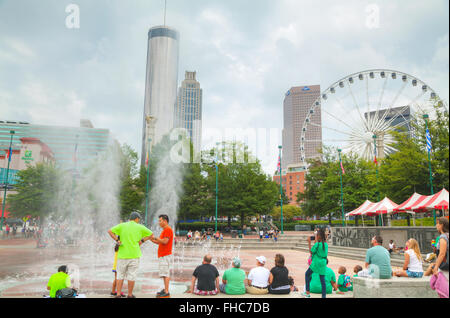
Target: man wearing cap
[(132, 235), (258, 278), (233, 279)]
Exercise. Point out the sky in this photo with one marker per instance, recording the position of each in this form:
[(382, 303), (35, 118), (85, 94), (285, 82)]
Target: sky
[(247, 54)]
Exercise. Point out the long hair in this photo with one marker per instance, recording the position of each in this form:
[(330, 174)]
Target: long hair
[(279, 260), (321, 235), (414, 245)]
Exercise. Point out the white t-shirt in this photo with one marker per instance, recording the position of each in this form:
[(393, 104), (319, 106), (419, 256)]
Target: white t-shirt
[(259, 276), (261, 233), (415, 265), (391, 246)]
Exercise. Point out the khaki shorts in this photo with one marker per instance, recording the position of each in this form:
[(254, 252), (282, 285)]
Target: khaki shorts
[(127, 268), (257, 291), (164, 266)]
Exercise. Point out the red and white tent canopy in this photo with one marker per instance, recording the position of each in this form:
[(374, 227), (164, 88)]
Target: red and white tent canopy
[(436, 201), (383, 207), (414, 200), (361, 208)]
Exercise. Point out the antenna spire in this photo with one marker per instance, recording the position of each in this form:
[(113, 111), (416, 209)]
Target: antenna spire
[(165, 7)]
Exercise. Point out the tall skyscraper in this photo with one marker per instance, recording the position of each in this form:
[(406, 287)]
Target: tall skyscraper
[(297, 103), (160, 85), (188, 111)]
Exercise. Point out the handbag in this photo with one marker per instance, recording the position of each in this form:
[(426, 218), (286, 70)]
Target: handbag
[(444, 266)]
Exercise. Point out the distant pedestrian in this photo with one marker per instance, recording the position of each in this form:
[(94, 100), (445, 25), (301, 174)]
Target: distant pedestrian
[(7, 229), (14, 230), (132, 235), (261, 234), (164, 242)]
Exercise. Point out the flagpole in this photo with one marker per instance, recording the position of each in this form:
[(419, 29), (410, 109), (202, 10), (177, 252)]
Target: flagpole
[(12, 132), (217, 183), (281, 189), (342, 192), (428, 141)]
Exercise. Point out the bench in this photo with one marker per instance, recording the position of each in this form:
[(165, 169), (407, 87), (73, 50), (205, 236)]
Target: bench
[(395, 287)]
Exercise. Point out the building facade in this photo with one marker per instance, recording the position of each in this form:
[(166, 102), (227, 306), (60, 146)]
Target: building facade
[(161, 86), (293, 181), (297, 103), (72, 147), (188, 110)]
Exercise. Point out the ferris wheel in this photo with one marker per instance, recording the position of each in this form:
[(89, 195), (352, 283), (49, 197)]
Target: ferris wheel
[(359, 113)]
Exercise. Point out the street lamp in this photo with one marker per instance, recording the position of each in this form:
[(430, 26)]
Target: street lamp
[(217, 183), (376, 164), (148, 178), (342, 192), (428, 141), (12, 132), (281, 190)]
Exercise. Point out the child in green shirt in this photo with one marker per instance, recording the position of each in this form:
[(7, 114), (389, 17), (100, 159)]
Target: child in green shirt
[(344, 283)]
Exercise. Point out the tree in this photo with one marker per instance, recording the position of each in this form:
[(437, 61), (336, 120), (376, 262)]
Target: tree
[(36, 188), (289, 211)]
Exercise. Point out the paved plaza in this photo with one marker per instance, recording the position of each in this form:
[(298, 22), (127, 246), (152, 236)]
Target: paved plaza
[(24, 270)]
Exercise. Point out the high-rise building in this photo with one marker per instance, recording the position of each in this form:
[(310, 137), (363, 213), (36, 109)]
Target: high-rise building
[(188, 111), (71, 147), (297, 104), (160, 85)]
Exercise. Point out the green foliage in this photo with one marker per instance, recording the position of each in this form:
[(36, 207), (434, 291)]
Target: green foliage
[(36, 187), (289, 211)]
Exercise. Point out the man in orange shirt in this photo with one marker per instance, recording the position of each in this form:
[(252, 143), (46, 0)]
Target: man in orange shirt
[(165, 242)]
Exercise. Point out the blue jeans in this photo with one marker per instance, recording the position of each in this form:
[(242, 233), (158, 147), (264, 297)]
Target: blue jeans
[(414, 274), (308, 276)]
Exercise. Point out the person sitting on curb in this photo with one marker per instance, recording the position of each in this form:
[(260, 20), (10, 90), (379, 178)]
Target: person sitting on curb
[(413, 261), (330, 282), (344, 281), (279, 277), (258, 278), (233, 279), (207, 277), (378, 261)]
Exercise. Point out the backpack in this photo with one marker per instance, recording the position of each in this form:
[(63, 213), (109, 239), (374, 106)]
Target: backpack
[(347, 281), (66, 293)]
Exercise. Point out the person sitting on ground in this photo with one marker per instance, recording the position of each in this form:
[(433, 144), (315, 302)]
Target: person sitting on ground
[(344, 281), (413, 261), (315, 285), (356, 270), (58, 281), (189, 235), (378, 261), (233, 279), (258, 278), (279, 277), (391, 246), (207, 277), (221, 236), (292, 284)]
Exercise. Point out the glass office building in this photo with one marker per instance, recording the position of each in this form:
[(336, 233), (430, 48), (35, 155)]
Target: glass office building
[(70, 145)]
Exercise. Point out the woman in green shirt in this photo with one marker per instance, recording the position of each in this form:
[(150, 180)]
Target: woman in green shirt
[(319, 253)]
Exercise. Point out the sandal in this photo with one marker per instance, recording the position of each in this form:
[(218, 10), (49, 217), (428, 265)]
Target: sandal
[(132, 296)]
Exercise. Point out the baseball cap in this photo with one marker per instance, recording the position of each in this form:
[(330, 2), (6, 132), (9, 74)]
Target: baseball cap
[(135, 215), (236, 262), (261, 259)]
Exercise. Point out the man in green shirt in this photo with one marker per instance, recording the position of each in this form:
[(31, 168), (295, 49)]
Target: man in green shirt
[(233, 279), (378, 261), (58, 281), (132, 235)]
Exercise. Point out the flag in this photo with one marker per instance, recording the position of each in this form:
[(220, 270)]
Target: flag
[(9, 154), (75, 154), (146, 160), (375, 155), (375, 160), (428, 140), (342, 168), (279, 163)]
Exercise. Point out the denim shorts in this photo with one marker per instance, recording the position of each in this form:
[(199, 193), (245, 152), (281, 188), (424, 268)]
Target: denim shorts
[(414, 274)]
